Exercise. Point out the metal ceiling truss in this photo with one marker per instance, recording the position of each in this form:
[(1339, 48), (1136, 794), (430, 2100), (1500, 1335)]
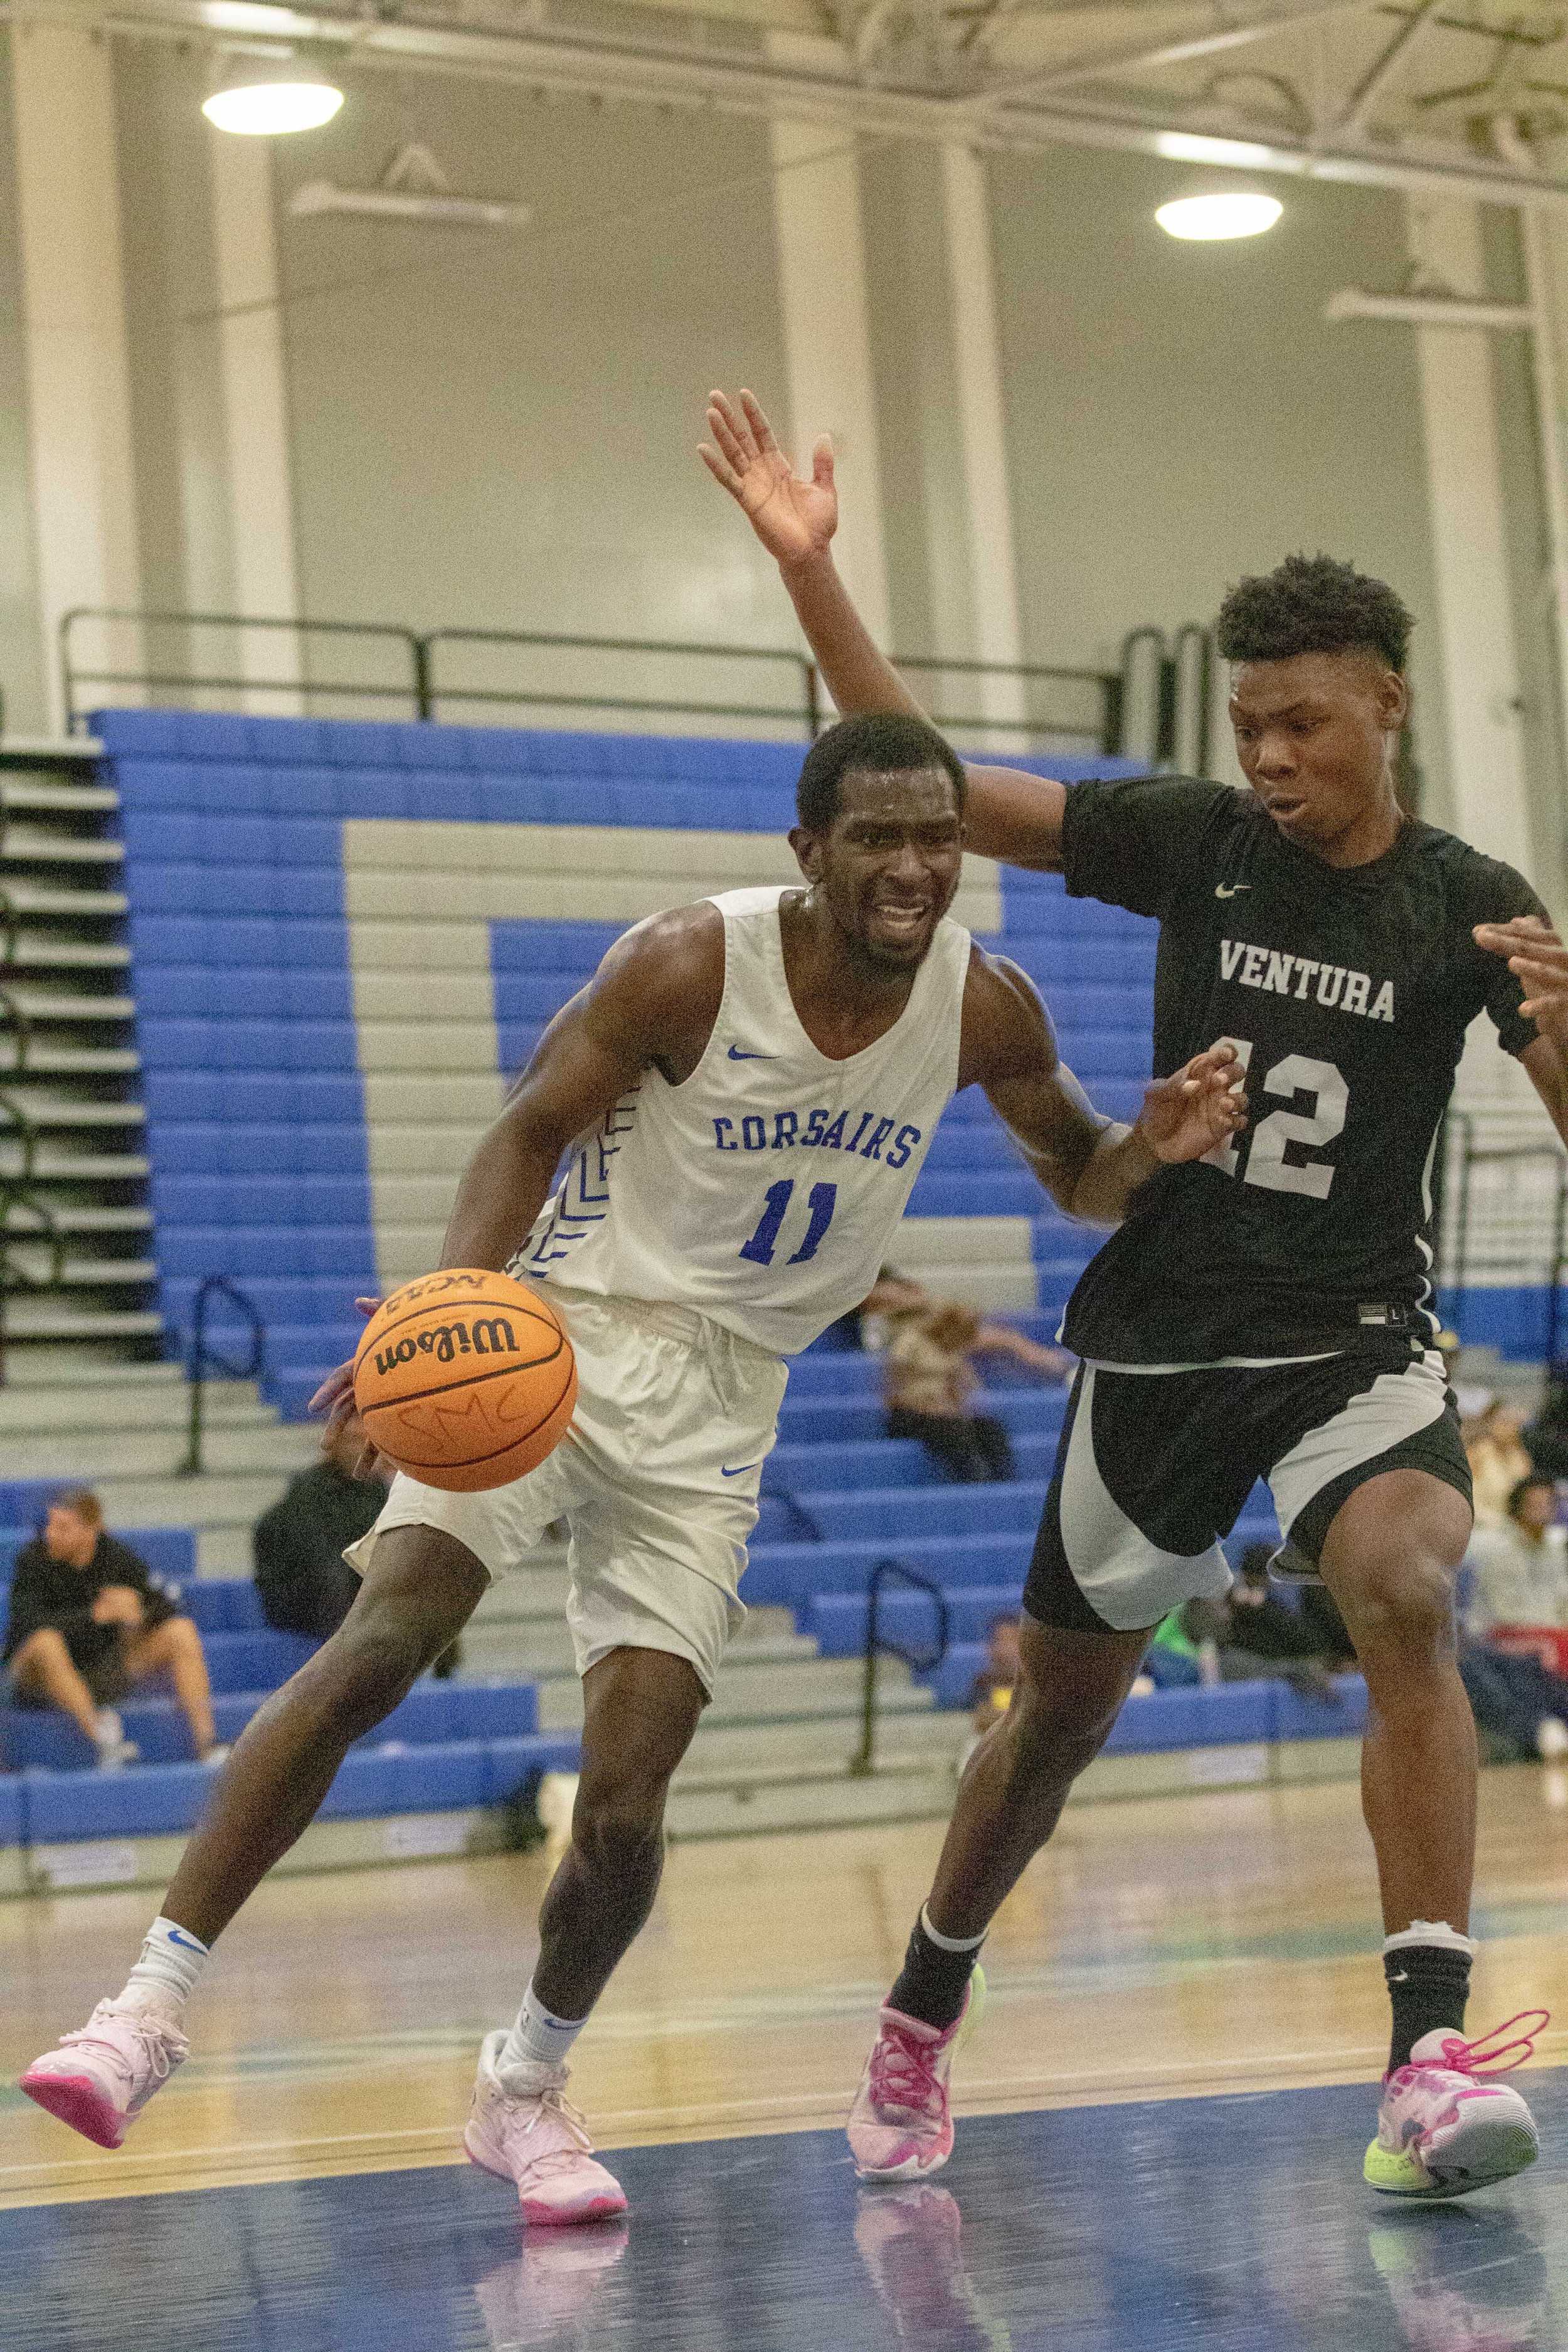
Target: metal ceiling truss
[(1017, 113)]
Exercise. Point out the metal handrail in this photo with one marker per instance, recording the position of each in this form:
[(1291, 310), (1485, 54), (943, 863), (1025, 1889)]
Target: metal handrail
[(806, 1521), (423, 689), (918, 1662), (22, 1020), (1457, 1260), (203, 1359), (14, 1195), (415, 691)]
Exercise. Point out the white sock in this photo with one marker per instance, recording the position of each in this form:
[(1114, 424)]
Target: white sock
[(951, 1943), (539, 2039), (1429, 1931), (165, 1976)]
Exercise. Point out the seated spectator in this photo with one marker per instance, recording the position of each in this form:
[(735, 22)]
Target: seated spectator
[(305, 1583), (1546, 1439), (88, 1624), (1498, 1459), (1518, 1572), (929, 1385), (991, 1695), (1521, 1709)]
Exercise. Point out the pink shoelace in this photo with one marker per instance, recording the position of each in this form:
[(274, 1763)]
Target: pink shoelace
[(1488, 2055), (903, 2072)]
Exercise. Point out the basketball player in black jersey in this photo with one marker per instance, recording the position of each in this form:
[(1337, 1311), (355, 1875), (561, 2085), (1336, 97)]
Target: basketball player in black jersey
[(1264, 1314)]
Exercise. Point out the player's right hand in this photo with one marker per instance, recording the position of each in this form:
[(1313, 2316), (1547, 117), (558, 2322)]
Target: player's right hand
[(335, 1397), (794, 519)]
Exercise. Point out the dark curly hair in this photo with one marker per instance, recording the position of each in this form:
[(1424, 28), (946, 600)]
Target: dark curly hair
[(1311, 604), (885, 741)]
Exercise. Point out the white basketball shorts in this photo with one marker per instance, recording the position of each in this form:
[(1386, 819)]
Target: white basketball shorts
[(656, 1479)]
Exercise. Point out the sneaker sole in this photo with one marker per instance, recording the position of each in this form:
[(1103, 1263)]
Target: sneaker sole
[(79, 2101), (1485, 2153), (912, 2168), (540, 2217)]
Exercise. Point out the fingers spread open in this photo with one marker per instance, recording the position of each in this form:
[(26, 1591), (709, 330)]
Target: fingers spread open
[(723, 472), (756, 418)]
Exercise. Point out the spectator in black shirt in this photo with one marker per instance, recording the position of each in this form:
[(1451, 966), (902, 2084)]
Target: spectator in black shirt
[(88, 1623), (306, 1584)]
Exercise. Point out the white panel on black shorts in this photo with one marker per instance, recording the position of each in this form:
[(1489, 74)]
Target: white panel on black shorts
[(1397, 1406), (1125, 1579)]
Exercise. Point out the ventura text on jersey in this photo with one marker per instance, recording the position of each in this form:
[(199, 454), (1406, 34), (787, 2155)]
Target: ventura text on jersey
[(1328, 984)]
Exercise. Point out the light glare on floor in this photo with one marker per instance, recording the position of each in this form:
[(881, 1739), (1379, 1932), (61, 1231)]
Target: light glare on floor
[(265, 109), (1231, 212)]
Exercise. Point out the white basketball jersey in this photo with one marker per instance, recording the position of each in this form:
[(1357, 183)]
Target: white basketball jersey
[(763, 1191)]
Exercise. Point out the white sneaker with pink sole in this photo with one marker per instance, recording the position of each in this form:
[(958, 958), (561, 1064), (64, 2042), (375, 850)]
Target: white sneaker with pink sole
[(101, 2077), (523, 2128)]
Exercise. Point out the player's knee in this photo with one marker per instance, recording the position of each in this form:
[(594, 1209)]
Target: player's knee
[(618, 1824), (1400, 1614), (371, 1663)]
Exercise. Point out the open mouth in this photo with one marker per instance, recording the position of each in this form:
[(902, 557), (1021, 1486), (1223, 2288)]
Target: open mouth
[(897, 922)]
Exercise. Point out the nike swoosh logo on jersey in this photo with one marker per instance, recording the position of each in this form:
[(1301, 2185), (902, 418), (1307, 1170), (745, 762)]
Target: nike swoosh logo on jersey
[(737, 1055), (1229, 889), (745, 1466)]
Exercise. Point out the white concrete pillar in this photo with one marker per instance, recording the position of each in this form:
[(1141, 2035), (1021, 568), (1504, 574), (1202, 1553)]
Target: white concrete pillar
[(78, 376), (1465, 496), (255, 413), (826, 336), (978, 364)]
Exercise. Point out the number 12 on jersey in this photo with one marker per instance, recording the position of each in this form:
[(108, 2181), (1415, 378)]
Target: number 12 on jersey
[(765, 1241), (1266, 1162)]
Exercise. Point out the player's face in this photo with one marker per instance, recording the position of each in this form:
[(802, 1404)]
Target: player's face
[(889, 863), (1312, 735)]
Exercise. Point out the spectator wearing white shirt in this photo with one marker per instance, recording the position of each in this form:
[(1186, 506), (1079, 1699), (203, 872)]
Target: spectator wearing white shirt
[(1519, 1570)]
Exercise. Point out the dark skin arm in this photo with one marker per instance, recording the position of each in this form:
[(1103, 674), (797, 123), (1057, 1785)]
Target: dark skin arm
[(1537, 956), (1091, 1166), (1009, 814)]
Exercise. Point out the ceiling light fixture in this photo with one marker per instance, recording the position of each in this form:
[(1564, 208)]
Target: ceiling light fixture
[(268, 102), (1226, 212)]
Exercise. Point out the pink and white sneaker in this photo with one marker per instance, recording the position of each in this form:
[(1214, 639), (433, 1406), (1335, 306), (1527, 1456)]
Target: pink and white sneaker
[(1447, 2125), (101, 2077), (528, 2133), (900, 2126)]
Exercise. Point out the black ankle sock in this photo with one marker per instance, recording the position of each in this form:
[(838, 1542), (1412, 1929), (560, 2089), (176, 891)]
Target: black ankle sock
[(933, 1983), (1428, 1984)]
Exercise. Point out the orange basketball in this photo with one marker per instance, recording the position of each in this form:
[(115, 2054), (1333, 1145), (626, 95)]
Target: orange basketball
[(465, 1379)]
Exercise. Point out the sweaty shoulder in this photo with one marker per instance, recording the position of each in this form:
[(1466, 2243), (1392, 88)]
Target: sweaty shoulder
[(1132, 842), (663, 981), (1006, 1029)]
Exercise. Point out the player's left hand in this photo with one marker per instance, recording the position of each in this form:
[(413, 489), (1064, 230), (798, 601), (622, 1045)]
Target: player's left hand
[(335, 1398), (1200, 1106), (1538, 958)]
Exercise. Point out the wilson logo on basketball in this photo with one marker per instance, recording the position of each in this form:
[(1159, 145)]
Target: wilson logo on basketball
[(465, 1379), (492, 1337)]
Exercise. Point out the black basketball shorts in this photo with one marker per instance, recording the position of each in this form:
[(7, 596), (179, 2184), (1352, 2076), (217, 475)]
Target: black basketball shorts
[(1153, 1467)]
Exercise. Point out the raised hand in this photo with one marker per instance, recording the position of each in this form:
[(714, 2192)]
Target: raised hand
[(1184, 1116), (794, 519), (1537, 957)]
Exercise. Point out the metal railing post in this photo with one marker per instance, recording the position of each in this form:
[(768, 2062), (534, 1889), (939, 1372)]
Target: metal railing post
[(863, 1762), (422, 702), (202, 1357)]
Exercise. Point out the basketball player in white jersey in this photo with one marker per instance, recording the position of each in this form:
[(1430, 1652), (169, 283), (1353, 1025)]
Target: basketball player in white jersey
[(747, 1090)]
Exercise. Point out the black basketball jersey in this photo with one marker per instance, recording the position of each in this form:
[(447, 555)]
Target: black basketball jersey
[(1347, 991)]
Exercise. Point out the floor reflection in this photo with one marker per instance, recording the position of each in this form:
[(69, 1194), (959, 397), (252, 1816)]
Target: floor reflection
[(1212, 2225)]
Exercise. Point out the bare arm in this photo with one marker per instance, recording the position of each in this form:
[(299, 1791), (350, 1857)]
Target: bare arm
[(651, 1005), (1010, 813), (1091, 1166), (1537, 957)]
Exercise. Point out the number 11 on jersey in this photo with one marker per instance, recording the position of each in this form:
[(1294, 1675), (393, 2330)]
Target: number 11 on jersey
[(765, 1241)]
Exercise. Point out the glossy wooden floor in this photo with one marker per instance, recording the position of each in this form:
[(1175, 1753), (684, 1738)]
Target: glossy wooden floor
[(1188, 1945)]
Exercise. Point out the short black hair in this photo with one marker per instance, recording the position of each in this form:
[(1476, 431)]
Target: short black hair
[(884, 742), (1527, 1485), (1312, 604)]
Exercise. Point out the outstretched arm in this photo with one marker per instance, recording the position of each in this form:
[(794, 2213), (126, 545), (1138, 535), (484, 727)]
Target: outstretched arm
[(1539, 960), (1011, 814), (1091, 1166)]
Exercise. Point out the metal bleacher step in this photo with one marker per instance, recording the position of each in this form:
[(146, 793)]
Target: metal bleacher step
[(24, 897), (35, 1261), (65, 1114), (26, 788), (152, 1454), (49, 1319), (158, 1403), (36, 952), (64, 1005), (28, 1056), (37, 845)]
